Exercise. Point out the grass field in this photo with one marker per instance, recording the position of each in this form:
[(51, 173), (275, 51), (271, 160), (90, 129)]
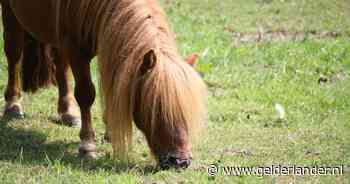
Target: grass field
[(309, 78)]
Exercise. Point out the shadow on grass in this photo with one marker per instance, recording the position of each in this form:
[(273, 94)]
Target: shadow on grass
[(31, 148)]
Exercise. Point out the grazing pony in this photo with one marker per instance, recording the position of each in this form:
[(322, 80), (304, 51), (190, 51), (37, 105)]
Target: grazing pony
[(143, 78)]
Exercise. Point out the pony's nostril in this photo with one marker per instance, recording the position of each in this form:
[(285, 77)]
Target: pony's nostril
[(173, 162), (183, 164)]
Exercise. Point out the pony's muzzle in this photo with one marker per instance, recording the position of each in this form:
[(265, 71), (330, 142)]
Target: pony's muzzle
[(169, 161)]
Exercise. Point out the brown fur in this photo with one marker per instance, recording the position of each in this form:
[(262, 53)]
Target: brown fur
[(38, 67), (32, 65)]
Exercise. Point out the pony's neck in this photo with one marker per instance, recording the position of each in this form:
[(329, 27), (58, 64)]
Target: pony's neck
[(83, 20)]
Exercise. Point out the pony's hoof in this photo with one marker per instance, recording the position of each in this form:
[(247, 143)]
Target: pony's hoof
[(87, 150), (13, 111), (88, 155), (71, 120)]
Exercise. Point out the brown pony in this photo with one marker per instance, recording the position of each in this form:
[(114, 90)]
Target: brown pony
[(143, 79)]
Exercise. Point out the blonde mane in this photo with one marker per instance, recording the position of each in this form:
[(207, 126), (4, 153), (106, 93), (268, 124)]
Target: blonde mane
[(130, 30)]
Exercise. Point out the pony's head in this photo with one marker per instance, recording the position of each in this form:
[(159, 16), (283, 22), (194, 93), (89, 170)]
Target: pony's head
[(145, 81), (169, 107)]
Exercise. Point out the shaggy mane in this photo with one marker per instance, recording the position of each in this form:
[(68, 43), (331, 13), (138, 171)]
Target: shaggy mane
[(172, 89)]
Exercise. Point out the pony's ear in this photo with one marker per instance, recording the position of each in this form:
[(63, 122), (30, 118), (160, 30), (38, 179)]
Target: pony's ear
[(149, 61), (192, 59)]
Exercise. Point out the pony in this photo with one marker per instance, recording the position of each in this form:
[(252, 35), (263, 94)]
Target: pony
[(143, 79)]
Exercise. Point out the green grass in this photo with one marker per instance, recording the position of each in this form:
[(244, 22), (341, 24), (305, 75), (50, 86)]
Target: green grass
[(244, 82)]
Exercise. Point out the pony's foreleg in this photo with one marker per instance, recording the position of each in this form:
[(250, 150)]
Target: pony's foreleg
[(13, 43), (85, 95), (67, 109)]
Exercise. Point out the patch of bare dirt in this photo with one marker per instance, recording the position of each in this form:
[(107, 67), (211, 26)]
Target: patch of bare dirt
[(279, 35)]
